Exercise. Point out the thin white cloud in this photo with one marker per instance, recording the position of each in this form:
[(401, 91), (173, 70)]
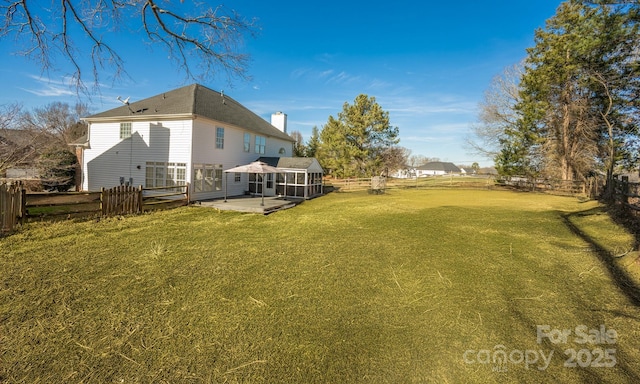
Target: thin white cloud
[(428, 105), (326, 73), (431, 108), (343, 78), (299, 73), (450, 128), (326, 58), (421, 139), (50, 88), (378, 84)]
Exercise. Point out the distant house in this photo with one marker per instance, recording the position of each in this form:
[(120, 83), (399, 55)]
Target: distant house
[(187, 135), (403, 173), (437, 168)]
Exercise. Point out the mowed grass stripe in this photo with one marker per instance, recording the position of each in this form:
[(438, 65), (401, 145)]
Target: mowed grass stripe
[(345, 288)]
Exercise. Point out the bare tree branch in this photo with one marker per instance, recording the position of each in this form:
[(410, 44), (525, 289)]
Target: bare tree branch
[(199, 45), (497, 112), (26, 136)]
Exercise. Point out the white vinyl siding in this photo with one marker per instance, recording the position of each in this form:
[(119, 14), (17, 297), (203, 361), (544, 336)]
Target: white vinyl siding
[(109, 158)]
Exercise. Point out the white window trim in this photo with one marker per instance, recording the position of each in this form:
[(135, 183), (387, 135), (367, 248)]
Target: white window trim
[(127, 133)]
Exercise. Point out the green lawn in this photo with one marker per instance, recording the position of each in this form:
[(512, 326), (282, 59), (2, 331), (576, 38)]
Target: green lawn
[(412, 286)]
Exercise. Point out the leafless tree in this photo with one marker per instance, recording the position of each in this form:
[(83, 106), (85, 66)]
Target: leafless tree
[(9, 115), (39, 139), (16, 146), (200, 40), (395, 158), (416, 161), (59, 120), (497, 112)]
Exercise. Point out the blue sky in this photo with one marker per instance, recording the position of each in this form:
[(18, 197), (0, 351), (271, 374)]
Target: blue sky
[(426, 63)]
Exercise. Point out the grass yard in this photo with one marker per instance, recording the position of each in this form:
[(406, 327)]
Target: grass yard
[(413, 286)]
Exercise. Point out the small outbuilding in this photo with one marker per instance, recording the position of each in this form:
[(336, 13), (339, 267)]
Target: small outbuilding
[(298, 176)]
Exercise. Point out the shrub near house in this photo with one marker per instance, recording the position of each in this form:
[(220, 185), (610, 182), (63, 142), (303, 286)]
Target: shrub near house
[(58, 170)]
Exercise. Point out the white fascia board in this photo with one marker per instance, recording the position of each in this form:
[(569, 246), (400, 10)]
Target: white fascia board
[(186, 116)]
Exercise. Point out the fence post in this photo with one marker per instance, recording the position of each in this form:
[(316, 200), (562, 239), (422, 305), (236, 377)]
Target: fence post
[(102, 202), (23, 204), (3, 203), (188, 194), (139, 199), (624, 184)]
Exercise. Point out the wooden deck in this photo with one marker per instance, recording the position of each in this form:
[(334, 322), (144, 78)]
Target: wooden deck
[(251, 204)]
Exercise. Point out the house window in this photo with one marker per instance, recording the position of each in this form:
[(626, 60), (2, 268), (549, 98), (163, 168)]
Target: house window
[(181, 174), (171, 174), (176, 174), (218, 174), (149, 172), (206, 177), (255, 182), (125, 130), (261, 142), (237, 177), (247, 142), (198, 175), (159, 174), (219, 138)]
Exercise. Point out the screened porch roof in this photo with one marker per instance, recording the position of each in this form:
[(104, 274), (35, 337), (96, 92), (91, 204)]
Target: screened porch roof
[(308, 164)]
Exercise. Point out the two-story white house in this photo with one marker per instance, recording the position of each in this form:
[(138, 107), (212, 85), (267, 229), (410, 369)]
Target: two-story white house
[(187, 135)]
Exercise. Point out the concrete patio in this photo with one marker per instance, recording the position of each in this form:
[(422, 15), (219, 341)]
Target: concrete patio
[(252, 204)]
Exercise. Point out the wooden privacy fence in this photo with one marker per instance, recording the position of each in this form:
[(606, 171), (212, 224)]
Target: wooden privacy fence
[(16, 205), (12, 200), (126, 200), (120, 200), (628, 194), (591, 187), (383, 183)]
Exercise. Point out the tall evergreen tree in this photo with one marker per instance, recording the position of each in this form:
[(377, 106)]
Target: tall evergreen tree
[(334, 152), (313, 143), (577, 92), (354, 143), (299, 148), (555, 91)]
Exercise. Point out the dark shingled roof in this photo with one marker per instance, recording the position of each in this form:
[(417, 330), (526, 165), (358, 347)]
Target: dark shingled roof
[(288, 162), (195, 100), (439, 166)]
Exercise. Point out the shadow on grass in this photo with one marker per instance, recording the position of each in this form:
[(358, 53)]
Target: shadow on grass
[(624, 367), (621, 278)]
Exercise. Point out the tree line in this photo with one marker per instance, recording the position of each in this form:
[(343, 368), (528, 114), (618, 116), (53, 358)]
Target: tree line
[(39, 140), (570, 110), (358, 142)]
